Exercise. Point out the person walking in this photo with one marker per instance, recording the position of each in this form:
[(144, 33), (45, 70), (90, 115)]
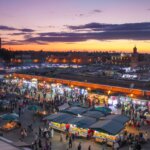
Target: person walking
[(50, 145), (116, 146), (61, 137), (67, 136), (40, 144), (52, 133), (89, 148), (70, 142), (138, 146), (47, 135), (22, 134), (79, 146), (19, 109), (36, 137), (40, 132)]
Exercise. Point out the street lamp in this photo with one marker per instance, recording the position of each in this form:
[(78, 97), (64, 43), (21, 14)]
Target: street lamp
[(131, 95), (109, 92)]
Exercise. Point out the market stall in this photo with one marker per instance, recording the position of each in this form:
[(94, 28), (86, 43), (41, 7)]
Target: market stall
[(80, 125), (98, 99), (147, 115), (141, 103), (41, 113), (106, 130), (59, 120), (8, 126), (115, 100), (86, 123), (34, 83)]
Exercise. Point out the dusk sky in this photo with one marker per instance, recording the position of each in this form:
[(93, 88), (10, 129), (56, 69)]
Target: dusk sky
[(75, 25)]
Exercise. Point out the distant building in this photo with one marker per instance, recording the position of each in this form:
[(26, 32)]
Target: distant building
[(0, 43), (135, 58), (121, 59)]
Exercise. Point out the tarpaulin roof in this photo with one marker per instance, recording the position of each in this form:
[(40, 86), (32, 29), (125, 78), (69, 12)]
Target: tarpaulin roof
[(94, 114), (83, 122), (74, 103), (75, 110), (119, 118), (64, 106), (108, 126), (104, 110), (59, 117)]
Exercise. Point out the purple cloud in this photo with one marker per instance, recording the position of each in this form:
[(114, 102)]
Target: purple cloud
[(7, 28), (96, 11), (93, 31), (26, 30), (112, 27)]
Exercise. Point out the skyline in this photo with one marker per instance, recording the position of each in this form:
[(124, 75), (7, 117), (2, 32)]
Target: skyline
[(105, 25)]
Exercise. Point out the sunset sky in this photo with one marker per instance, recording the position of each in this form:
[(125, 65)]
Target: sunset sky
[(58, 25)]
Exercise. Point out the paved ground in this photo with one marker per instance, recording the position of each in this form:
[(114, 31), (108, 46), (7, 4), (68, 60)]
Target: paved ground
[(27, 118), (6, 146)]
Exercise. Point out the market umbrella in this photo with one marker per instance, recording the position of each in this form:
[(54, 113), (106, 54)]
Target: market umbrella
[(10, 117), (34, 107)]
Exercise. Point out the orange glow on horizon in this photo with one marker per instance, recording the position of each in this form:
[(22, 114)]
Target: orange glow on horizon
[(90, 45)]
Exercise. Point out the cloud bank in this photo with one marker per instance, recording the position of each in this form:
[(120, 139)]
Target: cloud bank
[(92, 31)]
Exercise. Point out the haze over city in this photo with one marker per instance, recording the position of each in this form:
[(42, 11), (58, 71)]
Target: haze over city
[(62, 25)]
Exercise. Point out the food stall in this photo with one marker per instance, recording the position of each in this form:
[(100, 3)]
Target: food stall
[(67, 122), (98, 99), (106, 130), (81, 132), (58, 126), (15, 81), (81, 125), (77, 125), (8, 126), (100, 137), (140, 102), (147, 115), (59, 120), (115, 100), (41, 113), (34, 83)]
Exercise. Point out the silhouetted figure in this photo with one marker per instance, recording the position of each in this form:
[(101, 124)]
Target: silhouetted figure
[(70, 142), (79, 146)]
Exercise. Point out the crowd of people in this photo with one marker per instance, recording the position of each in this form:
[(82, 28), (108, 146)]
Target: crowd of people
[(23, 99), (136, 114), (43, 139)]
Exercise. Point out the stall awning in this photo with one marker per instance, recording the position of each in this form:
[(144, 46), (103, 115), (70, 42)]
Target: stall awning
[(108, 126), (104, 110), (59, 117), (73, 104), (119, 118), (83, 122), (75, 110), (94, 114), (64, 106), (52, 116)]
